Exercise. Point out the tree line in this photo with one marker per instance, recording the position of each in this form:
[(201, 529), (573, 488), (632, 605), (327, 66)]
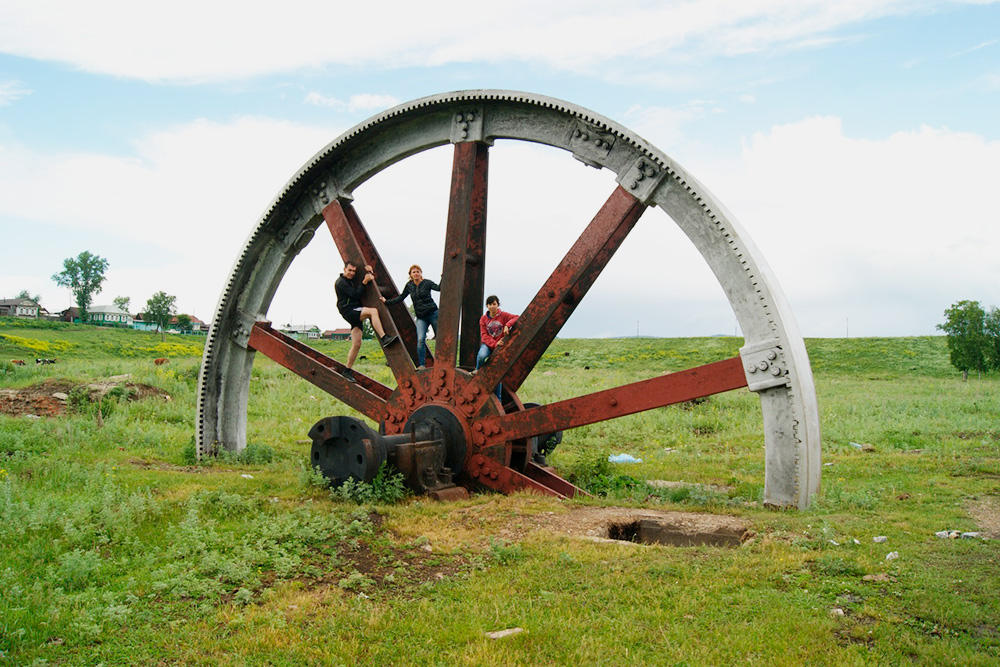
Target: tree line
[(84, 276), (973, 337)]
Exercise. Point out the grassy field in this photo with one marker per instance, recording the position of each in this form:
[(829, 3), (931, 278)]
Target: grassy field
[(116, 548)]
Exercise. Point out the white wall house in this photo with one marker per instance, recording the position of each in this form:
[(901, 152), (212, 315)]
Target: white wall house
[(111, 315), (18, 308)]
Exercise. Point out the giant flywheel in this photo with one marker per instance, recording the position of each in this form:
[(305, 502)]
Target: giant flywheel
[(442, 425)]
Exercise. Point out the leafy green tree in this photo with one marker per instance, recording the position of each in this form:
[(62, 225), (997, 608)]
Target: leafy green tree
[(122, 302), (184, 322), (83, 275), (159, 309), (965, 324)]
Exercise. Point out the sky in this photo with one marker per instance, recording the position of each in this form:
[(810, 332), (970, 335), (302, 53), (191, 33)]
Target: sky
[(856, 142)]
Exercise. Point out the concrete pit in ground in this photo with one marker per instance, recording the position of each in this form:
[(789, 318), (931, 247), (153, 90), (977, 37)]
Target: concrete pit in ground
[(675, 534)]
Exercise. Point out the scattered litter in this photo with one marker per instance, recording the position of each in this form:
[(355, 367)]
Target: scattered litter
[(856, 541), (836, 612), (246, 476), (834, 543), (623, 458), (970, 535), (892, 555), (865, 447), (500, 634), (879, 539), (827, 465)]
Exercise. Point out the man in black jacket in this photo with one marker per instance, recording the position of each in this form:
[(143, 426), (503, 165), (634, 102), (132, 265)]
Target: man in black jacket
[(349, 294)]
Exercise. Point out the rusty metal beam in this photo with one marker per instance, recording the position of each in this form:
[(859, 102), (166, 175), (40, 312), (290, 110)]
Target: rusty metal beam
[(475, 261), (627, 399), (367, 396), (552, 481), (543, 318), (342, 223), (461, 212), (499, 477), (387, 287)]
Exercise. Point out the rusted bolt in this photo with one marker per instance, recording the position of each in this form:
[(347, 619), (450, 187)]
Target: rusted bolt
[(475, 472), (614, 401), (479, 440), (445, 393), (479, 426), (494, 474)]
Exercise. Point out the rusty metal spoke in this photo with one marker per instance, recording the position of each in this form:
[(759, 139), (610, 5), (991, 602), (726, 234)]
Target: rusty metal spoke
[(628, 399), (355, 244), (475, 261), (464, 251), (367, 396), (545, 316)]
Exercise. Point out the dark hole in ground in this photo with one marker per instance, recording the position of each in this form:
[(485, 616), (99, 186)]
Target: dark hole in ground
[(651, 531)]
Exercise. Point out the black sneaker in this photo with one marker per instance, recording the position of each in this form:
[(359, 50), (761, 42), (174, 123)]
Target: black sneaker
[(387, 340), (348, 375)]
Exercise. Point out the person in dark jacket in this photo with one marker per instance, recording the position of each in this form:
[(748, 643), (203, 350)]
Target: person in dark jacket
[(419, 288), (349, 291)]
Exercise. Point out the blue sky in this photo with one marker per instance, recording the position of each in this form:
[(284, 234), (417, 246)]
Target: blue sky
[(858, 143)]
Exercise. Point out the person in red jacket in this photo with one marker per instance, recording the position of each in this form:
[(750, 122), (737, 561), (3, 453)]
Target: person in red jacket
[(493, 326)]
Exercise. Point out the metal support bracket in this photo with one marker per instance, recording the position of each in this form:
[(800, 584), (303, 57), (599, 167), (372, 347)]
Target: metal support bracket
[(467, 125), (642, 179), (325, 190), (764, 364), (241, 330), (590, 144)]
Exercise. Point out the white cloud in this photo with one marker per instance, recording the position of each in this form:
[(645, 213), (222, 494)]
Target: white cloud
[(357, 103), (11, 91), (229, 40), (886, 233), (188, 197)]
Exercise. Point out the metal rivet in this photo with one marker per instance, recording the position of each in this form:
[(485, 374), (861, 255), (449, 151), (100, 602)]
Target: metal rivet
[(633, 185), (776, 371), (771, 355), (762, 365), (751, 368)]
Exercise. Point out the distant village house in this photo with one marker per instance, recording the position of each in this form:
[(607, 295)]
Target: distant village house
[(18, 308), (299, 331), (337, 334)]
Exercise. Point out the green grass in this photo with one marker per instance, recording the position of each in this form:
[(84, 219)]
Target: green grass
[(115, 548)]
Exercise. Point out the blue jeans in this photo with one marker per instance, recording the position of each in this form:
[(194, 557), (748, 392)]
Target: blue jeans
[(422, 325), (481, 357)]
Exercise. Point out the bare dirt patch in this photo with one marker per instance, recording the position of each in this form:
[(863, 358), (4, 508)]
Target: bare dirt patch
[(986, 512), (598, 523), (49, 398)]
